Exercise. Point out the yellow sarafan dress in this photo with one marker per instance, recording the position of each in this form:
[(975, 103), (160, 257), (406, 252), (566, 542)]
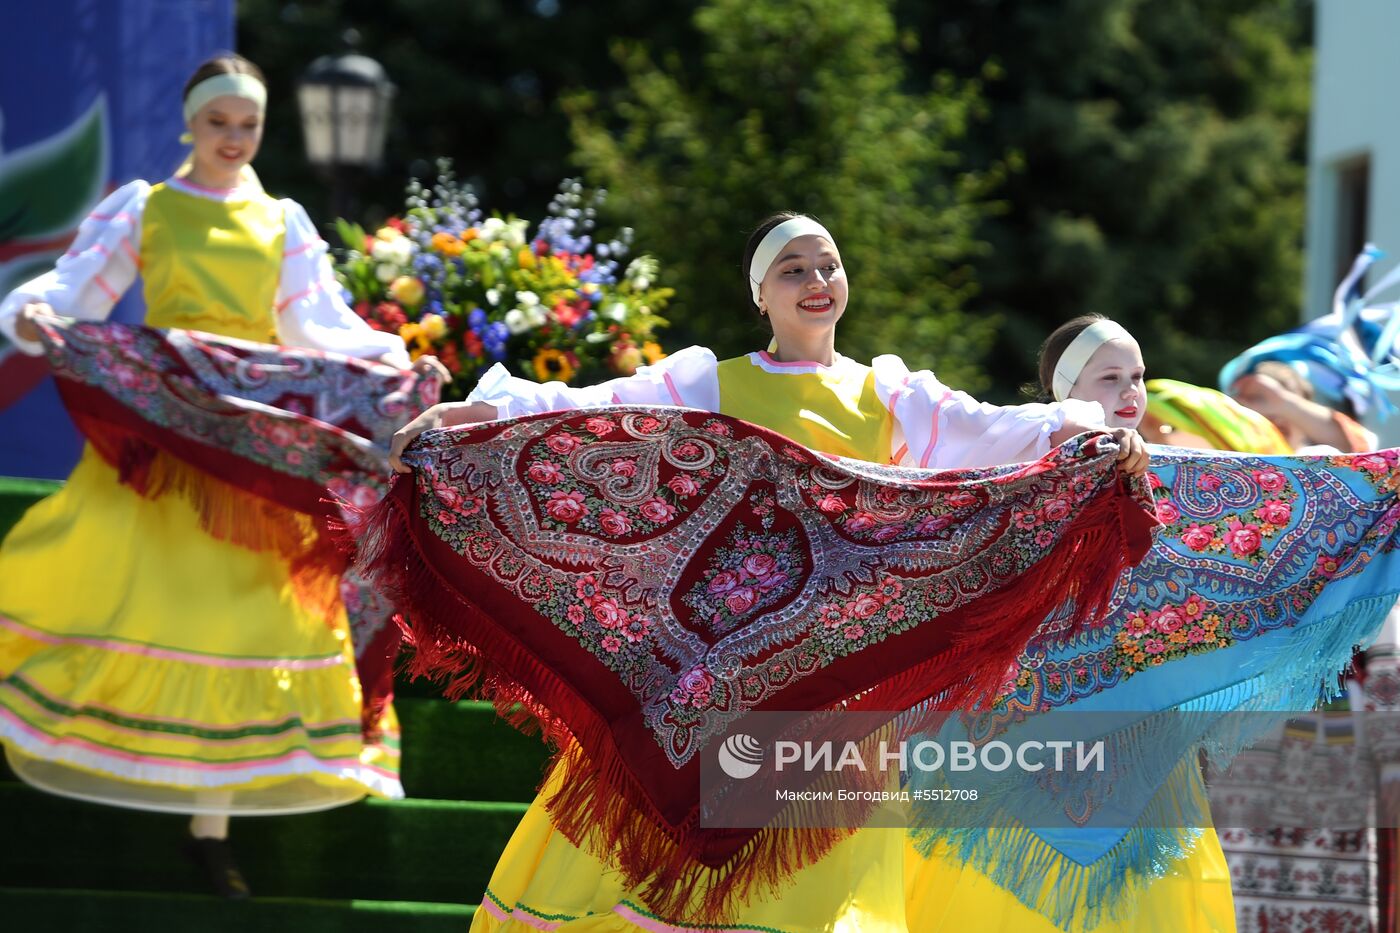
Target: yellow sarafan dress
[(144, 663), (882, 413)]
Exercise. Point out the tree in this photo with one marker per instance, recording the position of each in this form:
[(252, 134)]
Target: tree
[(477, 82), (1162, 149), (801, 105)]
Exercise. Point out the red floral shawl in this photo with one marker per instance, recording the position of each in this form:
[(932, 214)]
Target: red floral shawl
[(637, 580), (253, 436)]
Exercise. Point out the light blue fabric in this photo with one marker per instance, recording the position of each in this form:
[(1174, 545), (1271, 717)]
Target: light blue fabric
[(1348, 355), (1297, 561)]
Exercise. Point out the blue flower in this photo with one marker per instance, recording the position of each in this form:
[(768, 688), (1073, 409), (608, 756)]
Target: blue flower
[(476, 320), (494, 338), (600, 274)]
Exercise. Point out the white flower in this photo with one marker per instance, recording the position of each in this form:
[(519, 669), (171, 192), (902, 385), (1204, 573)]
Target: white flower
[(382, 250), (401, 250), (515, 232), (493, 296), (617, 311), (536, 315), (516, 322), (641, 271), (491, 228), (386, 272), (527, 299)]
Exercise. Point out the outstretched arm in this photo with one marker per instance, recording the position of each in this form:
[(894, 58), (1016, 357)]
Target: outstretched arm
[(685, 378), (87, 281), (946, 429)]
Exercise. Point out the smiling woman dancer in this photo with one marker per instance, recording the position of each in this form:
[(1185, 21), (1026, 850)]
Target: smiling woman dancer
[(144, 662), (802, 388)]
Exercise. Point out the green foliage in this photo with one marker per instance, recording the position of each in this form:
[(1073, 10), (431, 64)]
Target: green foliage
[(48, 186), (1156, 151), (1162, 148), (478, 82), (799, 105)]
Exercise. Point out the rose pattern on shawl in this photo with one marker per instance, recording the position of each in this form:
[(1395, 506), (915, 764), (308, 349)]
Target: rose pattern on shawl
[(616, 521), (602, 478), (749, 575), (1234, 618), (1228, 523)]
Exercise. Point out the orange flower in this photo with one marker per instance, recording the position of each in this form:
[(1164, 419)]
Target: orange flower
[(447, 244), (652, 352)]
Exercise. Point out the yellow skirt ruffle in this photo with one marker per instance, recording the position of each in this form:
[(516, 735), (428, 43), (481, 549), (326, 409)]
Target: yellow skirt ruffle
[(144, 663), (873, 881), (545, 882)]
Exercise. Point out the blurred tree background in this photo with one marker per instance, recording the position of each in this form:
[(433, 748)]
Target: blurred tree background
[(991, 167)]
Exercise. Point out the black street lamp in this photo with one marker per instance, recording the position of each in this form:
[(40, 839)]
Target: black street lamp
[(345, 101)]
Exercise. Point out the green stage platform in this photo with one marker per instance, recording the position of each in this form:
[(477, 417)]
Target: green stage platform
[(418, 864)]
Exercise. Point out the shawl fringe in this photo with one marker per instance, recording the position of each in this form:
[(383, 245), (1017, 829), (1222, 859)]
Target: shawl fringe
[(700, 873), (227, 513), (1296, 672)]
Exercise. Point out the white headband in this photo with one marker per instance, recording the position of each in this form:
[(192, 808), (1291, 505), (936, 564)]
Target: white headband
[(240, 85), (1079, 351), (774, 241)]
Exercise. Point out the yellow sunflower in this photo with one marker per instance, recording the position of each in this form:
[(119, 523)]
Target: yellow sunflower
[(554, 364)]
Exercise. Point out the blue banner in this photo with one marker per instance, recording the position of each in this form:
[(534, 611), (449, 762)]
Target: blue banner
[(89, 99)]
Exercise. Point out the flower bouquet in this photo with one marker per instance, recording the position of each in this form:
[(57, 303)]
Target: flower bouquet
[(556, 303)]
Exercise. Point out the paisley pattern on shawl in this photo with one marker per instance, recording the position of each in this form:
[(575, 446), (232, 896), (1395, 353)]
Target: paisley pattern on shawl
[(641, 578), (254, 435), (1267, 574)]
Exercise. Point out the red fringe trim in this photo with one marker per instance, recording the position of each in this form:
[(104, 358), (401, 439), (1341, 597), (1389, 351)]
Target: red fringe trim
[(228, 513), (240, 502), (684, 870), (375, 664)]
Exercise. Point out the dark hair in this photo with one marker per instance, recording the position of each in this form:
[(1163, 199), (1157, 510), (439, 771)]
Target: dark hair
[(229, 63), (751, 247), (1055, 346)]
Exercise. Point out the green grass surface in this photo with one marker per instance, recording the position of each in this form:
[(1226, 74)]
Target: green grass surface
[(417, 864), (102, 910)]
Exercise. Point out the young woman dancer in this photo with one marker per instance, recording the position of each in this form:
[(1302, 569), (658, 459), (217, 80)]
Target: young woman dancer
[(802, 388), (144, 662)]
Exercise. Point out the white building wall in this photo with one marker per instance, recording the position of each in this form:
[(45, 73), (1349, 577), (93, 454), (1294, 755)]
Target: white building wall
[(1355, 112)]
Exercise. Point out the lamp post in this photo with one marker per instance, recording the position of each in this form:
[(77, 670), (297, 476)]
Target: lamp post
[(345, 101)]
